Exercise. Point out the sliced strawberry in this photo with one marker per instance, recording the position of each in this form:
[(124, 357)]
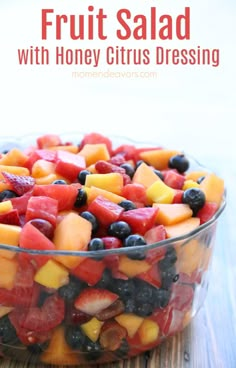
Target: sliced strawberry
[(93, 301), (21, 184), (104, 167), (117, 160), (47, 317), (19, 296)]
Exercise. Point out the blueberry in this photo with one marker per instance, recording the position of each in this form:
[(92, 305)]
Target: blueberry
[(119, 229), (167, 277), (144, 309), (195, 198), (75, 337), (7, 194), (135, 240), (7, 332), (81, 198), (70, 291), (169, 260), (161, 298), (82, 176), (159, 173), (92, 219), (92, 349), (96, 244), (127, 205), (124, 288), (179, 162), (130, 306), (144, 294), (59, 182), (128, 169)]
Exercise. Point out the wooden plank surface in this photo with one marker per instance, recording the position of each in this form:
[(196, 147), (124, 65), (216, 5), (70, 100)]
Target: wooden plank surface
[(210, 340)]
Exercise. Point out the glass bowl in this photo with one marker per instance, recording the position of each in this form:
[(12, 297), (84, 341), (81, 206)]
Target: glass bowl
[(114, 304)]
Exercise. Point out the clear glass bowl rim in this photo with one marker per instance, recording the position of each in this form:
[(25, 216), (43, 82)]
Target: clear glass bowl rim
[(124, 250)]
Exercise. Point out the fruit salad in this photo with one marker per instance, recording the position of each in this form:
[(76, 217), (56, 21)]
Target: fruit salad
[(104, 247)]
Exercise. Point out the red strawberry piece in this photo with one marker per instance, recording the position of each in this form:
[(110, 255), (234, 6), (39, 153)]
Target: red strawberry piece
[(117, 160), (10, 218), (19, 296), (27, 336), (47, 317), (19, 183), (92, 301), (104, 167)]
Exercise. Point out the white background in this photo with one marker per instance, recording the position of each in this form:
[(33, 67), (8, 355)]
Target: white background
[(191, 108)]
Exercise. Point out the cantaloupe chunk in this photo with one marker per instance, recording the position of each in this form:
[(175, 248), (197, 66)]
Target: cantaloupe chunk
[(190, 256), (49, 179), (170, 214), (182, 227), (112, 182), (14, 157), (158, 158), (148, 332), (131, 322), (17, 170), (213, 187), (58, 352), (131, 267), (72, 233), (145, 175), (42, 168), (5, 206), (9, 235), (195, 175), (93, 192), (4, 185), (94, 152), (8, 269), (68, 148)]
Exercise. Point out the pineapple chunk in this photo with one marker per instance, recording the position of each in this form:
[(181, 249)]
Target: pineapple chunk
[(159, 192), (52, 275), (92, 328)]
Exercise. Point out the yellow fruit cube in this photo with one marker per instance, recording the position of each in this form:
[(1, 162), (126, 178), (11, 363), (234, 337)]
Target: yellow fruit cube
[(5, 206), (92, 328), (148, 332), (159, 192), (9, 235), (112, 182), (131, 322), (190, 184), (52, 275), (132, 267)]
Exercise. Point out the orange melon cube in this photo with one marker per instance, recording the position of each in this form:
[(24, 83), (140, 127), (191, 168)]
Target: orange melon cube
[(73, 233), (195, 175), (131, 322), (58, 352), (131, 267), (145, 175), (158, 158), (14, 157), (17, 170), (70, 148), (148, 332), (42, 168), (8, 269), (9, 235), (190, 256), (170, 214), (94, 152), (213, 187), (5, 206), (182, 227), (93, 192)]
